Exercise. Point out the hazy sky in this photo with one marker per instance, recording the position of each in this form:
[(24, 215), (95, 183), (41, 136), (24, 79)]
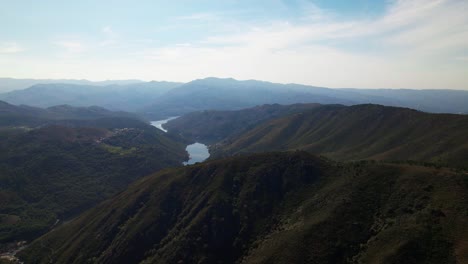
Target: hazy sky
[(360, 43)]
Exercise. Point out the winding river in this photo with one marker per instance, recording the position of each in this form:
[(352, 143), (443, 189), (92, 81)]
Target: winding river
[(197, 151)]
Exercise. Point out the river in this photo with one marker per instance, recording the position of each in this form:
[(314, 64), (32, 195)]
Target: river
[(197, 151)]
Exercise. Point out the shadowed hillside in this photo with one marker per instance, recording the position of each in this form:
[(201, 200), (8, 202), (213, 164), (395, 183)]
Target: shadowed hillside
[(23, 115), (53, 173), (360, 132), (272, 208), (211, 126)]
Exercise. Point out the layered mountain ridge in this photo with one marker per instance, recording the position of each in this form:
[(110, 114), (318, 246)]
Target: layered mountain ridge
[(159, 100)]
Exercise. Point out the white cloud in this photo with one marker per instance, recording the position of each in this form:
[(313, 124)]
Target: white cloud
[(414, 44), (107, 30), (436, 23), (183, 44), (440, 25), (10, 47), (198, 16), (71, 46), (110, 36)]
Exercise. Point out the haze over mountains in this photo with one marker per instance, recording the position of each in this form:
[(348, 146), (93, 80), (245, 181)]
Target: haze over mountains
[(340, 138), (85, 179), (128, 97), (164, 99), (11, 84)]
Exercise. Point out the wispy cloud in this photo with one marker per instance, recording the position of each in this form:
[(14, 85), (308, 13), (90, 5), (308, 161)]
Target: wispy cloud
[(10, 47), (414, 23), (411, 43), (435, 26), (107, 30), (71, 46), (410, 36), (198, 17), (110, 36)]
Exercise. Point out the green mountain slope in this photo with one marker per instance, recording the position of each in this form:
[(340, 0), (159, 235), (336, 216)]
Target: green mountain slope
[(212, 126), (360, 132), (53, 173), (23, 115), (272, 208)]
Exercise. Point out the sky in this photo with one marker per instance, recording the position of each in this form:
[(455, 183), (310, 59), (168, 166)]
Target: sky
[(421, 44)]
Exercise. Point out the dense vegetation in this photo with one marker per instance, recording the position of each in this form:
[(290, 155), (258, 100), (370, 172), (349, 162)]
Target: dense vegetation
[(212, 126), (359, 132), (406, 204), (272, 208), (52, 173), (22, 115)]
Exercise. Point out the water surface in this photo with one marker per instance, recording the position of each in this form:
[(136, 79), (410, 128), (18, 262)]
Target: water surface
[(198, 152), (159, 123)]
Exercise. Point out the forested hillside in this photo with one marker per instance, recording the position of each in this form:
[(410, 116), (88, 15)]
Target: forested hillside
[(359, 132), (272, 208), (53, 173)]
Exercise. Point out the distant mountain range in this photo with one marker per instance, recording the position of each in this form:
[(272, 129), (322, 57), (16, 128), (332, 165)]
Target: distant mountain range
[(129, 97), (158, 100), (10, 84), (434, 101), (230, 94), (272, 208)]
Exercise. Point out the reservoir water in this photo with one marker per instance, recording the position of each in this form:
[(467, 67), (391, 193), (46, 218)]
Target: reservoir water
[(159, 123), (198, 152)]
